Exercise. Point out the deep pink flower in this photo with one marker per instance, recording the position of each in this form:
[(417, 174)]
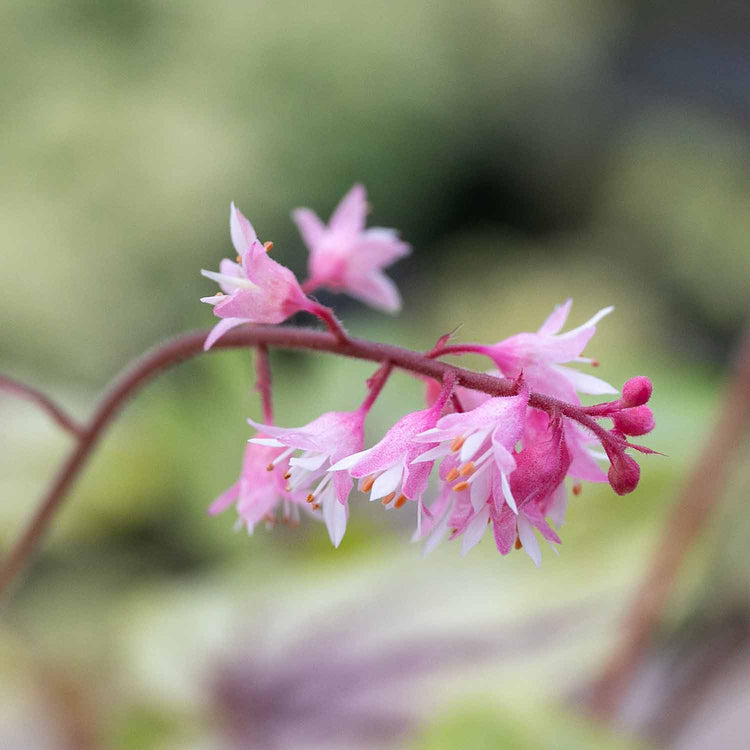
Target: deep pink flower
[(259, 493), (322, 443), (540, 356), (387, 470), (344, 256), (257, 290)]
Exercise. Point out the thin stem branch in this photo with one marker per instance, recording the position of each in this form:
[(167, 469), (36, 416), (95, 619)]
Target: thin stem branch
[(376, 383), (263, 382), (44, 402), (700, 495), (188, 345)]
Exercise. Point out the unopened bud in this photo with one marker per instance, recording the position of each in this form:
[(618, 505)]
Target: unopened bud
[(635, 421), (623, 474), (637, 391)]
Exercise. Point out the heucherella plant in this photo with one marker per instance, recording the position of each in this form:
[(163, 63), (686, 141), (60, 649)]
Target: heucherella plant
[(507, 443)]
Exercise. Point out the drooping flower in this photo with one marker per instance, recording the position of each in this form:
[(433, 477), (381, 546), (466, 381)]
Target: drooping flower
[(256, 289), (537, 488), (346, 257), (259, 494), (321, 443), (387, 470), (480, 439)]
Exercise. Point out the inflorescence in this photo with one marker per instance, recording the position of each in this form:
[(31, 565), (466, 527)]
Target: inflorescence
[(502, 459)]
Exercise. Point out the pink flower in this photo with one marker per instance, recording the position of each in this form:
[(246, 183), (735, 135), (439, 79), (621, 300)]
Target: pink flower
[(344, 256), (387, 469), (480, 439), (536, 485), (322, 442), (257, 290), (540, 356), (258, 493)]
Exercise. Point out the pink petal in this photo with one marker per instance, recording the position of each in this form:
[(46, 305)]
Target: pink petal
[(376, 290), (224, 500), (310, 226), (243, 234), (220, 329), (350, 214), (556, 319)]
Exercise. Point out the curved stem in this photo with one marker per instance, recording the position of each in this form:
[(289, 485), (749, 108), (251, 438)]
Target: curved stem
[(190, 344), (58, 414)]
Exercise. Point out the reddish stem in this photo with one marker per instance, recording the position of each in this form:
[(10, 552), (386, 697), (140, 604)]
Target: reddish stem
[(376, 383), (263, 382), (189, 345), (58, 414)]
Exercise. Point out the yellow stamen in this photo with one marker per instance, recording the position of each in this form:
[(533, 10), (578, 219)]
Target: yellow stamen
[(401, 500), (467, 468), (268, 246), (367, 483), (461, 486), (387, 499), (452, 474), (457, 443)]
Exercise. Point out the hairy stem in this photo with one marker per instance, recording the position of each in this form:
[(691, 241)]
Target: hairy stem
[(263, 382), (700, 495), (190, 344), (28, 392)]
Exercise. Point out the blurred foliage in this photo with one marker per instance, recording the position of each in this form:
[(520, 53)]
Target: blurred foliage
[(530, 151)]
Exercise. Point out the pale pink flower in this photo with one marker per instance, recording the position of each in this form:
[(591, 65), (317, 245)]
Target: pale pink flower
[(258, 494), (387, 470), (346, 257), (480, 439), (540, 356), (537, 488), (257, 290), (321, 444)]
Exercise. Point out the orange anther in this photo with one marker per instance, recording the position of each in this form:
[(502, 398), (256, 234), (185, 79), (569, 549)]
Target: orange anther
[(367, 483), (518, 543), (310, 497), (577, 488), (387, 499), (315, 506), (239, 259), (466, 469), (595, 363), (457, 443), (461, 486), (452, 474), (269, 467), (268, 246), (287, 475), (401, 500)]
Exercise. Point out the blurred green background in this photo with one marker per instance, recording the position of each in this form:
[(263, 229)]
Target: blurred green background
[(529, 151)]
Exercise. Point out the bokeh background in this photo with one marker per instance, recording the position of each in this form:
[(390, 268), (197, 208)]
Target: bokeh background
[(530, 151)]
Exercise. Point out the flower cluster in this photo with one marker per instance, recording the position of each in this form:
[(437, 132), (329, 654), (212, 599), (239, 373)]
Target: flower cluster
[(504, 450)]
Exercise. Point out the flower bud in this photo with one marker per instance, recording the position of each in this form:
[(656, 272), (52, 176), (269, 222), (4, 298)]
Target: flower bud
[(623, 474), (635, 421), (636, 392)]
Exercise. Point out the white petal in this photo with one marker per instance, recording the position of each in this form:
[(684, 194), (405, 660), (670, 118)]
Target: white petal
[(556, 510), (475, 530), (271, 442), (334, 514), (438, 533), (583, 382), (529, 541), (472, 444), (309, 461), (349, 461), (434, 453), (387, 481), (237, 282), (480, 488), (507, 494)]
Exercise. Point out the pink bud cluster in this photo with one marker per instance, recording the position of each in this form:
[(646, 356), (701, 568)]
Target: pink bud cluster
[(502, 461)]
